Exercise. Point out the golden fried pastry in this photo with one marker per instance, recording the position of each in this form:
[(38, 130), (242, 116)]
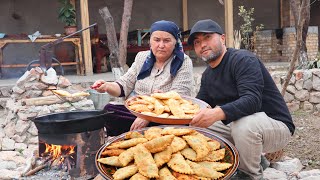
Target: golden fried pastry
[(164, 115), (125, 172), (139, 108), (215, 155), (202, 171), (163, 157), (158, 108), (165, 174), (214, 145), (179, 164), (126, 143), (166, 95), (152, 132), (127, 156), (178, 144), (189, 153), (62, 93), (112, 161), (175, 109), (177, 132), (145, 162), (149, 113), (139, 101), (166, 108), (180, 176), (80, 94), (166, 153), (148, 98), (133, 134), (196, 133), (190, 108), (198, 144), (217, 166), (159, 144), (138, 176), (112, 152)]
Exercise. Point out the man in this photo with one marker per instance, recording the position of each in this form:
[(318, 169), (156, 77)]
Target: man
[(248, 108)]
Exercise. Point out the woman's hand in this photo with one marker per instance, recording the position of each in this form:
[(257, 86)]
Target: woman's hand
[(103, 87), (97, 84), (138, 124)]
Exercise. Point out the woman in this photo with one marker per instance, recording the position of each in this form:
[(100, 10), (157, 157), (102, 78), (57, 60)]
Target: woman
[(163, 68)]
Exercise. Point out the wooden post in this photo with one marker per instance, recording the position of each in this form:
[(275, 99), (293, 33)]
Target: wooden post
[(185, 15), (228, 15), (86, 37)]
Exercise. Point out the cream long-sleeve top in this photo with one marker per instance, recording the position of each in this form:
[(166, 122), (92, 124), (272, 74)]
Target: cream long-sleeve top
[(159, 79)]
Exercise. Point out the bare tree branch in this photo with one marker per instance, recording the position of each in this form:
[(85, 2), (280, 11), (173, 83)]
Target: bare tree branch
[(300, 23), (111, 36), (126, 17)]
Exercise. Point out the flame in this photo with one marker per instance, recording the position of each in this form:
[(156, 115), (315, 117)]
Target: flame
[(57, 150)]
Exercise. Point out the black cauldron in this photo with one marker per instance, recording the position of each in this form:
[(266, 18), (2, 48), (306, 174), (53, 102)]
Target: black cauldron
[(70, 122)]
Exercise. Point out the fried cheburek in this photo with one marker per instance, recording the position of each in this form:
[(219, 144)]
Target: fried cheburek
[(164, 105), (165, 153)]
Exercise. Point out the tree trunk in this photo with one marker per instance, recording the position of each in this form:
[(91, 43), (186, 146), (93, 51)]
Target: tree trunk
[(300, 20), (300, 11), (112, 43), (126, 17)]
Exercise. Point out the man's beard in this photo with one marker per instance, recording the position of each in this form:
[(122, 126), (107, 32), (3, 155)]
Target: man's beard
[(212, 56)]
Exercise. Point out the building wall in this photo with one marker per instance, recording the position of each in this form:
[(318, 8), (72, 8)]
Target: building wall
[(28, 16)]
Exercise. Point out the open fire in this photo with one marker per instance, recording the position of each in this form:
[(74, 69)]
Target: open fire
[(57, 150), (61, 156)]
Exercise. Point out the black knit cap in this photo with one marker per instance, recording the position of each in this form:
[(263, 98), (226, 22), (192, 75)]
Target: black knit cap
[(204, 26)]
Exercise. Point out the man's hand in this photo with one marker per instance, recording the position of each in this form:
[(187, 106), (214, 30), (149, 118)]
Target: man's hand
[(138, 124), (206, 117)]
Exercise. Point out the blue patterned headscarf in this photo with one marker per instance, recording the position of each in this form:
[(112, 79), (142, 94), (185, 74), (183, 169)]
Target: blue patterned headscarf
[(178, 58)]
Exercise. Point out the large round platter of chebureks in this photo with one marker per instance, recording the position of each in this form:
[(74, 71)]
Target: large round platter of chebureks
[(167, 152), (165, 108)]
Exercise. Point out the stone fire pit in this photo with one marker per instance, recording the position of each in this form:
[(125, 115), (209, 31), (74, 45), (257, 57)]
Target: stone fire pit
[(31, 97)]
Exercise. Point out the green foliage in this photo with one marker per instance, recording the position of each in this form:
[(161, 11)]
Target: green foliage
[(20, 151), (67, 13), (246, 29)]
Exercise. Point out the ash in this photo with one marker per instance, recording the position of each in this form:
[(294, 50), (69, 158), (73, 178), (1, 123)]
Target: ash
[(46, 174)]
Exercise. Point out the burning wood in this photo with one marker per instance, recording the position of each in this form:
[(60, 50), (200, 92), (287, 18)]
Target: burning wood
[(44, 164), (55, 157)]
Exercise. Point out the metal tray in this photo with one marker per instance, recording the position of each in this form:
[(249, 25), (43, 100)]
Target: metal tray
[(231, 156)]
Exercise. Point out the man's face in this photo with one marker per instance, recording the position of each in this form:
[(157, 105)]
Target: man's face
[(208, 46)]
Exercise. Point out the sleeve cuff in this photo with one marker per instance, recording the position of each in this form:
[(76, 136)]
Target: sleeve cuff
[(122, 91), (228, 112)]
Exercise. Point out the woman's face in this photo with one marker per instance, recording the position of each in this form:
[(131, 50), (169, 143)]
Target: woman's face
[(162, 45)]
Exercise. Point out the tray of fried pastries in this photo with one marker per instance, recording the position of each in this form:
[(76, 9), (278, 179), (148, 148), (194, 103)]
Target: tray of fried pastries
[(165, 108), (167, 152)]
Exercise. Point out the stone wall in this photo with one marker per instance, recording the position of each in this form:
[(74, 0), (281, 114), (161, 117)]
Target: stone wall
[(303, 92)]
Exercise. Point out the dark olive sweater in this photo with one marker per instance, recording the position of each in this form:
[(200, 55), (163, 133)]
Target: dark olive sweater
[(241, 86)]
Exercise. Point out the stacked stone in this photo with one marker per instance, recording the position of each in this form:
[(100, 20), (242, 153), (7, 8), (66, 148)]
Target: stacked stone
[(18, 134), (266, 45), (289, 42), (303, 91), (5, 93)]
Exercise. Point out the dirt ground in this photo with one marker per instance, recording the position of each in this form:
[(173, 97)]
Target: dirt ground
[(305, 143)]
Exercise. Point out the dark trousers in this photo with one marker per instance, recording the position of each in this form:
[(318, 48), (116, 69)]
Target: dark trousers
[(120, 120)]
